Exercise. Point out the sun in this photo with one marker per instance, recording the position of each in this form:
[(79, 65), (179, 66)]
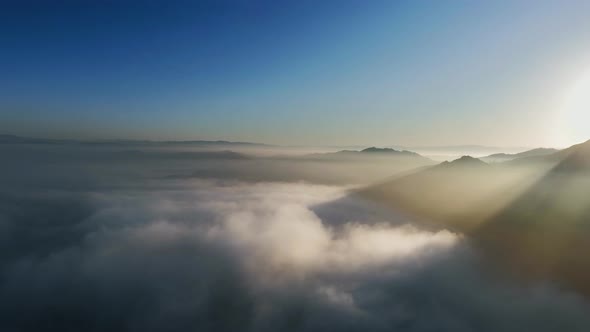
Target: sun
[(575, 111)]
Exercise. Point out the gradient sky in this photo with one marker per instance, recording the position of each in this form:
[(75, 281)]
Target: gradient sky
[(297, 72)]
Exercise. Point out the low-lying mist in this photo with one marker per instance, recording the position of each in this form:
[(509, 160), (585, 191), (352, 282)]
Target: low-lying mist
[(126, 244)]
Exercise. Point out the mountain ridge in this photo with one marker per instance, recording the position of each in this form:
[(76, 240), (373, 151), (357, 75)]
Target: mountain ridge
[(531, 220), (501, 157), (14, 139)]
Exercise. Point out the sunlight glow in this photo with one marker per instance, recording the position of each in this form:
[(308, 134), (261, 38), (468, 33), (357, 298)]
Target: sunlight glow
[(576, 111)]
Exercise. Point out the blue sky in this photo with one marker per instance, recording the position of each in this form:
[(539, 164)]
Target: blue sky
[(295, 72)]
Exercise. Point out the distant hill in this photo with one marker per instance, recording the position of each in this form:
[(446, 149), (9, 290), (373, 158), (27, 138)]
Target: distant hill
[(548, 160), (386, 151), (465, 161), (501, 157), (157, 154), (372, 152), (461, 149), (13, 139)]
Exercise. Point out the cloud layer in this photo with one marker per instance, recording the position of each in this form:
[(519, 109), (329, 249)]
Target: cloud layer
[(229, 256)]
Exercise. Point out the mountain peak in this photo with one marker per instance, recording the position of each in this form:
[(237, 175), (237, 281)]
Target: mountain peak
[(464, 161), (379, 150), (388, 150), (577, 158)]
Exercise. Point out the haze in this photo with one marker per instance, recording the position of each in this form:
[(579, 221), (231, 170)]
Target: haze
[(295, 166)]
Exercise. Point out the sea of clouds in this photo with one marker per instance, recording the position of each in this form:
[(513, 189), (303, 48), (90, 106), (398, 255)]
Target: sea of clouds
[(228, 255)]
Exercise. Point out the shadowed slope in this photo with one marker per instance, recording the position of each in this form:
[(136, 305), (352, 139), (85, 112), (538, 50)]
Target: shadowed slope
[(533, 221), (459, 194), (545, 231)]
